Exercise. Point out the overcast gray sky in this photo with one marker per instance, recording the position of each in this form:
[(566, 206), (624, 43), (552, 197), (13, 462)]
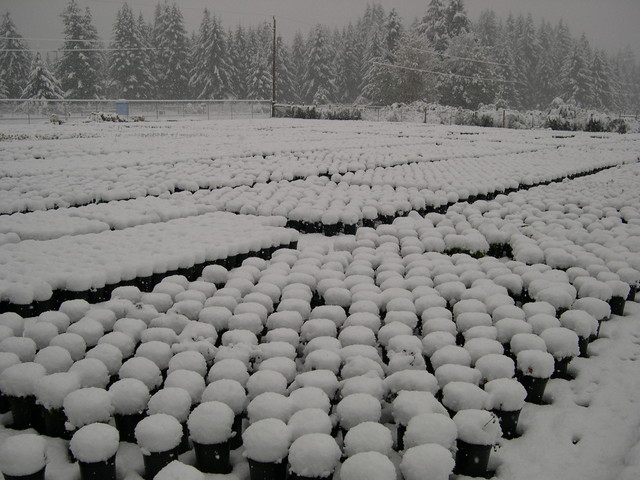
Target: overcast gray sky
[(609, 24)]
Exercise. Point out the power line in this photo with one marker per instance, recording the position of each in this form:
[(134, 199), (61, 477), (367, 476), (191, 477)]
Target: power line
[(76, 49), (461, 58), (420, 70), (50, 39)]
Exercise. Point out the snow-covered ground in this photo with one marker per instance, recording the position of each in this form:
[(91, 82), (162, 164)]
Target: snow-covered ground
[(329, 336)]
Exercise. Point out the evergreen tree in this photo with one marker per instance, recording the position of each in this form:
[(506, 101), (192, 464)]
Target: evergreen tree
[(297, 66), (601, 91), (526, 56), (239, 63), (486, 28), (80, 64), (210, 72), (467, 84), (284, 86), (347, 66), (375, 84), (129, 70), (458, 22), (393, 33), (15, 59), (319, 76), (548, 79), (172, 59), (41, 84), (576, 76), (260, 83), (3, 89), (433, 26), (412, 81)]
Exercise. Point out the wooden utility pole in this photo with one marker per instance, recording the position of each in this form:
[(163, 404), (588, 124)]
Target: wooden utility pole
[(273, 70)]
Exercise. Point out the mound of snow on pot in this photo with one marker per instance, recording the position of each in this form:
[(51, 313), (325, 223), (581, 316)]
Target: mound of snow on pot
[(210, 423), (23, 455), (267, 441), (368, 466), (158, 433), (314, 455), (430, 457), (93, 443)]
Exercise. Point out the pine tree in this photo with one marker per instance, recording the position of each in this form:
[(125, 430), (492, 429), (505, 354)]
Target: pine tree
[(296, 66), (458, 22), (239, 62), (260, 83), (80, 64), (433, 26), (319, 77), (393, 33), (347, 66), (210, 71), (41, 85), (601, 91), (486, 28), (547, 84), (413, 82), (375, 84), (576, 76), (284, 78), (467, 84), (172, 59), (15, 59), (129, 71), (526, 56)]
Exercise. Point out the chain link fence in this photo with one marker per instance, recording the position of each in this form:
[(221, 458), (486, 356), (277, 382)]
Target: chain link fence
[(14, 111)]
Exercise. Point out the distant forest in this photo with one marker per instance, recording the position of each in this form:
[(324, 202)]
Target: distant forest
[(443, 57)]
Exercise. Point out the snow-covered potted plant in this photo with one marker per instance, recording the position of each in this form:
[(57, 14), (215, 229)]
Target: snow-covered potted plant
[(313, 456), (407, 405), (85, 406), (176, 402), (369, 465), (233, 394), (158, 436), (94, 446), (478, 432), (534, 368), (431, 428), (18, 382), (23, 457), (507, 397), (266, 445), (457, 396), (430, 457), (368, 437), (51, 391), (563, 344), (7, 359), (129, 398), (210, 428), (178, 470)]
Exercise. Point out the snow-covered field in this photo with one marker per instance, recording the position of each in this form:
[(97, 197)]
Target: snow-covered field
[(415, 267)]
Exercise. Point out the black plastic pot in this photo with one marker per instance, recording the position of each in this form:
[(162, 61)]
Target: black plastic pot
[(617, 305), (39, 475), (508, 422), (156, 461), (54, 420), (561, 368), (401, 430), (236, 440), (98, 470), (184, 442), (632, 293), (583, 343), (268, 471), (213, 458), (5, 406), (472, 460), (25, 413), (534, 387), (331, 230), (126, 425)]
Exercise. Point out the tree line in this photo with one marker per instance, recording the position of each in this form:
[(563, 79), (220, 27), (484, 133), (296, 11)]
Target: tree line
[(441, 57)]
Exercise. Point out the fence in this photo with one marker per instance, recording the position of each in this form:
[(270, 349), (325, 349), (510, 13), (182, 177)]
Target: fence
[(27, 111)]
